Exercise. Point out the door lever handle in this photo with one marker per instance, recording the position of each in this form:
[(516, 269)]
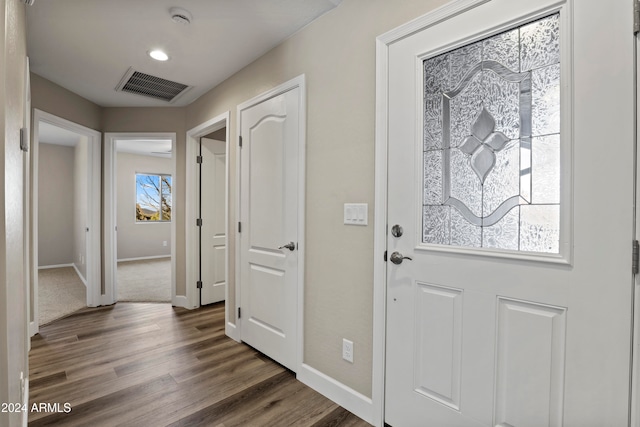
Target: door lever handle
[(397, 258), (291, 246)]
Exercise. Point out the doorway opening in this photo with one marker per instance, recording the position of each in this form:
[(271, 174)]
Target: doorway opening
[(140, 235), (65, 229), (207, 213)]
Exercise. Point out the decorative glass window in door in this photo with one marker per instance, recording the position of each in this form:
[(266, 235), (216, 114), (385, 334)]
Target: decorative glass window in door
[(492, 142)]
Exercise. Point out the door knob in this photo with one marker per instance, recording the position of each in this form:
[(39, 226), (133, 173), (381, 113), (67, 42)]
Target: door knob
[(397, 258), (291, 246)]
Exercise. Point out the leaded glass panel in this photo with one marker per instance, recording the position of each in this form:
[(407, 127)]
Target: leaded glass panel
[(492, 142)]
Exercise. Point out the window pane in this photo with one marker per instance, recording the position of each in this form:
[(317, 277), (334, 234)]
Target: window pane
[(492, 142), (153, 197)]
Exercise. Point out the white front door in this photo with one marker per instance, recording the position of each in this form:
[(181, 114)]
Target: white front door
[(269, 216), (510, 172), (213, 204)]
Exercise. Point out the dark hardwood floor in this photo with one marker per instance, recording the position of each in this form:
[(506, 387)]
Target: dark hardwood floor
[(136, 364)]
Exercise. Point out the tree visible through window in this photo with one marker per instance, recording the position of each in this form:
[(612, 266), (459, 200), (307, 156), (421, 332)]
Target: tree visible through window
[(153, 197)]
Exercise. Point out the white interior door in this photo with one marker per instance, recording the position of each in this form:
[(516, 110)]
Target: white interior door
[(269, 225), (510, 171), (214, 238)]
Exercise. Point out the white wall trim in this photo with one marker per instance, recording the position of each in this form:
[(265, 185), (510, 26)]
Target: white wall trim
[(635, 368), (299, 81), (47, 267), (80, 276), (383, 42), (110, 205), (191, 209), (144, 258), (179, 301), (94, 153), (348, 398)]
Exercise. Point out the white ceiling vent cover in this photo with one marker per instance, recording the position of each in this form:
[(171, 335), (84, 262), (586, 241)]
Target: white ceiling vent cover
[(154, 87)]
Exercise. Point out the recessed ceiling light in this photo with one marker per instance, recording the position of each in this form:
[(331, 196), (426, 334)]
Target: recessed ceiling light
[(158, 55)]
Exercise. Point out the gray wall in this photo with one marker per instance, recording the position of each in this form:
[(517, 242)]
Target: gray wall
[(139, 240), (55, 205)]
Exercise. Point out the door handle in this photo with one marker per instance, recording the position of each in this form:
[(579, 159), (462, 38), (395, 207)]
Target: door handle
[(397, 258), (291, 246)]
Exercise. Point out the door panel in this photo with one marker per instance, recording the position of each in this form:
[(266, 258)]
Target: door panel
[(214, 238), (513, 307), (269, 217)]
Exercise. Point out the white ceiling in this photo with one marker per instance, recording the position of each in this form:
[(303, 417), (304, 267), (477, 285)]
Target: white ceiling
[(87, 46)]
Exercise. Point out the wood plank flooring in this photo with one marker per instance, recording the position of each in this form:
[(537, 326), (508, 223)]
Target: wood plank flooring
[(146, 364)]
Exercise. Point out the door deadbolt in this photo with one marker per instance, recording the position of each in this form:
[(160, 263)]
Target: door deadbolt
[(396, 230)]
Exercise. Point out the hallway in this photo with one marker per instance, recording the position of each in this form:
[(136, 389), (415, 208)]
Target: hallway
[(148, 364)]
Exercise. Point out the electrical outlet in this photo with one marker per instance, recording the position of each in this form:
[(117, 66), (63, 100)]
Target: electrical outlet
[(347, 350), (164, 243)]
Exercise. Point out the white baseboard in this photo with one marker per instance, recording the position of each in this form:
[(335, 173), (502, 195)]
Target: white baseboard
[(45, 267), (80, 275), (181, 301), (348, 398), (25, 400), (144, 258), (33, 328), (231, 331)]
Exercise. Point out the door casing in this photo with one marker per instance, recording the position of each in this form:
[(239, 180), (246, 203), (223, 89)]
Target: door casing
[(190, 300), (93, 210), (110, 292)]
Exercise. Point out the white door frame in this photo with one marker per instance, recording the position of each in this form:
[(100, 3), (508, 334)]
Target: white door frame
[(635, 368), (94, 143), (300, 82), (110, 295), (190, 300), (383, 44)]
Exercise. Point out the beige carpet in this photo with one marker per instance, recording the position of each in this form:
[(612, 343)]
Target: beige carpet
[(145, 280), (60, 293)]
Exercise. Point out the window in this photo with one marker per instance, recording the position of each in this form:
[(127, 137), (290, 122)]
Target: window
[(492, 142), (153, 197)]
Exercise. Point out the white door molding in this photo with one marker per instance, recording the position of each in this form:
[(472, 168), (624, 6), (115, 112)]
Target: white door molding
[(94, 139), (191, 213), (110, 295)]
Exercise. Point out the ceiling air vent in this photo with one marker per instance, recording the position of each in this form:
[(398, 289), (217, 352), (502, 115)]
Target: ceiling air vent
[(154, 87)]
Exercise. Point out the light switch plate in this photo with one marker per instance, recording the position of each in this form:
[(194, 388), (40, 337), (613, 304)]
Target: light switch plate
[(356, 213)]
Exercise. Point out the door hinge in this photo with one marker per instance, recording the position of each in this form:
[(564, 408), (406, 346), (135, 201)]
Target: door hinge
[(199, 159), (239, 227), (240, 141), (635, 258), (199, 284), (636, 17), (385, 256), (239, 312), (198, 222)]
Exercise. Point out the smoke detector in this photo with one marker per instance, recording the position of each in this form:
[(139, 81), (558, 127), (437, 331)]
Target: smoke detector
[(180, 15)]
